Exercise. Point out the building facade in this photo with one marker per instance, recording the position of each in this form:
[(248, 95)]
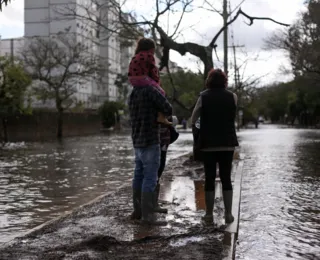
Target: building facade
[(46, 18)]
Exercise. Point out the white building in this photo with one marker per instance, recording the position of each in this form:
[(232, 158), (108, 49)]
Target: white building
[(43, 18)]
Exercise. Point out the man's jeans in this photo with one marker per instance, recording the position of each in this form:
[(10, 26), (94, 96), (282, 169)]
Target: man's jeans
[(147, 164)]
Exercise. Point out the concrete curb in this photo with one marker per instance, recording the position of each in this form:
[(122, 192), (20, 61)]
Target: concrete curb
[(232, 230)]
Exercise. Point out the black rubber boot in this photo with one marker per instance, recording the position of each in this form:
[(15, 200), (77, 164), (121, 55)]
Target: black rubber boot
[(227, 199), (147, 210), (157, 208), (209, 199), (136, 199)]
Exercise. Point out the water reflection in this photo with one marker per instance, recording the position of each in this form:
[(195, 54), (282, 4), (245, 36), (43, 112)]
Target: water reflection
[(199, 194), (281, 195), (39, 181)]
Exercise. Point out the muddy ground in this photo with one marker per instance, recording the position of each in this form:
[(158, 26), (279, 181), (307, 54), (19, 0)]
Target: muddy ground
[(102, 230)]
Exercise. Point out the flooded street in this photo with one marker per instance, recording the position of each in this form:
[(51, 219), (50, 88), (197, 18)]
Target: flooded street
[(280, 207), (39, 181)]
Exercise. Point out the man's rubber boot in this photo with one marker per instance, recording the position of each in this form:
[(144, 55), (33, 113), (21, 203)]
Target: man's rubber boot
[(136, 199), (209, 199), (147, 210), (227, 199), (157, 208)]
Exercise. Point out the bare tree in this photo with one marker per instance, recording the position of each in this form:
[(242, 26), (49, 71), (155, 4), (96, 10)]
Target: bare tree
[(58, 64), (225, 15), (153, 26)]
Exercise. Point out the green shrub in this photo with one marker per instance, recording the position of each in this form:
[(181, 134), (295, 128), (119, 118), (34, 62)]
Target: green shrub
[(109, 111)]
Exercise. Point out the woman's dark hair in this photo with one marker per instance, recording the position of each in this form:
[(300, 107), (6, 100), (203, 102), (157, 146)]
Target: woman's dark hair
[(216, 79), (145, 44)]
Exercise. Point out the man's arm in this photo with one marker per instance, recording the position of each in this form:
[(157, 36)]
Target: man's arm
[(196, 112), (161, 103)]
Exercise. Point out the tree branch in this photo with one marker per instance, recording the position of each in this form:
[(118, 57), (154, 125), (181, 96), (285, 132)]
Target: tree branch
[(212, 8), (181, 17), (4, 2), (236, 8), (251, 18)]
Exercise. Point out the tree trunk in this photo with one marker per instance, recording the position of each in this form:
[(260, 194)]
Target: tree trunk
[(60, 124), (5, 130), (204, 53), (207, 61)]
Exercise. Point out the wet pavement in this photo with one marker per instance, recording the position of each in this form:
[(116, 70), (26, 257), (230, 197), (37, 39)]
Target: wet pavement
[(280, 204), (102, 229), (40, 181), (280, 207)]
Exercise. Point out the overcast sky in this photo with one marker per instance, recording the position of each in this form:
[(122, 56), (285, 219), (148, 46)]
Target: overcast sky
[(200, 26)]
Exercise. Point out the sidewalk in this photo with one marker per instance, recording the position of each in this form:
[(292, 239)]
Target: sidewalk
[(102, 229)]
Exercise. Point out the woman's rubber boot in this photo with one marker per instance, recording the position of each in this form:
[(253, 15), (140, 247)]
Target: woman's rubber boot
[(136, 199), (157, 208), (147, 210), (227, 199), (209, 199)]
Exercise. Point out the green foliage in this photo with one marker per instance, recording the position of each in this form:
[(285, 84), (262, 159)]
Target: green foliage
[(109, 111), (13, 86), (187, 87), (294, 98)]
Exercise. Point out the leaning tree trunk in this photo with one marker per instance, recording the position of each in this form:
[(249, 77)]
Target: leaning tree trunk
[(207, 61)]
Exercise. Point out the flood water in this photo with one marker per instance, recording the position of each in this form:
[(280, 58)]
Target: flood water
[(280, 207), (40, 181)]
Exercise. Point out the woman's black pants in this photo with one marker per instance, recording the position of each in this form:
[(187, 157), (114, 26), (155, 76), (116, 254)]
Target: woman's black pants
[(224, 160)]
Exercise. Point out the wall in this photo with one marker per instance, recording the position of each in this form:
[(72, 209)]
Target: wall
[(41, 126)]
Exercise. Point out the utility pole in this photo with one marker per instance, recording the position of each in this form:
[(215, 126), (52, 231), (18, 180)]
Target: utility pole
[(236, 69), (237, 81), (225, 16)]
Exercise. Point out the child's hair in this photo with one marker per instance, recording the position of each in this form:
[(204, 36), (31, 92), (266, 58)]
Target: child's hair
[(145, 44)]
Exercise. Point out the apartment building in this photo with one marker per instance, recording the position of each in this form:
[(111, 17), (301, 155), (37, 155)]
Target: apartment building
[(45, 19)]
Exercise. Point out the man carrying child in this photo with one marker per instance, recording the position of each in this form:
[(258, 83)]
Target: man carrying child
[(147, 106)]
